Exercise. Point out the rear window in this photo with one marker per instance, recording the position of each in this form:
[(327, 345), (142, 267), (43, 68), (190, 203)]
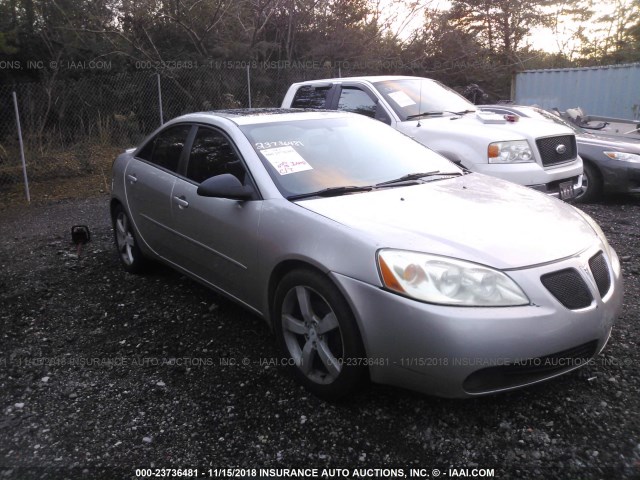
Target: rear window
[(309, 96)]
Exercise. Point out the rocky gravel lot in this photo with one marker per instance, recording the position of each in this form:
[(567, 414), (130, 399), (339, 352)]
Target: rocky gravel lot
[(102, 372)]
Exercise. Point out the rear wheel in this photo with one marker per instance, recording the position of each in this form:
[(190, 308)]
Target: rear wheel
[(130, 255), (591, 185), (317, 333)]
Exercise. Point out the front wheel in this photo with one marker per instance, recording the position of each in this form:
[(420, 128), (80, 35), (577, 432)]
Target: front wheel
[(317, 332), (591, 185), (130, 255)]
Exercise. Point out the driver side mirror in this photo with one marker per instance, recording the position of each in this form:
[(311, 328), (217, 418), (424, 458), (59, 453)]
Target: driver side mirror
[(225, 186)]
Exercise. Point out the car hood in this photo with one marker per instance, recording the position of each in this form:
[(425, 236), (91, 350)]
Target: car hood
[(470, 125), (611, 136), (617, 144), (473, 217)]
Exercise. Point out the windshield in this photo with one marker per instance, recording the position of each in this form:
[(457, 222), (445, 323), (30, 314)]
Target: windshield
[(410, 97), (304, 156), (555, 118)]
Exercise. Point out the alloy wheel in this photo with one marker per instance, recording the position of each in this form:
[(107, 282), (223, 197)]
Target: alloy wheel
[(312, 334), (124, 239)]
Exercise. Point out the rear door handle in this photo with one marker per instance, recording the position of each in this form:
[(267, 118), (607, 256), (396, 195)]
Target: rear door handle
[(132, 178), (181, 201)]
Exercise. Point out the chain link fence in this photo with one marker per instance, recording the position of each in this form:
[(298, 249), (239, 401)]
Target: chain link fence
[(74, 129), (10, 164)]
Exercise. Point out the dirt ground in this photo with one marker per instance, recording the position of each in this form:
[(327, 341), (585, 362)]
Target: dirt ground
[(44, 192), (103, 372)]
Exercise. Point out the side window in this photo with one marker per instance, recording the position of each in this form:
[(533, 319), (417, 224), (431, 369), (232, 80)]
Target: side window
[(211, 155), (309, 96), (356, 101), (165, 149)]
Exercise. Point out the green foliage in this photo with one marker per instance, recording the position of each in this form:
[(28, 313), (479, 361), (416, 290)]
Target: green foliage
[(500, 25), (473, 41), (5, 47)]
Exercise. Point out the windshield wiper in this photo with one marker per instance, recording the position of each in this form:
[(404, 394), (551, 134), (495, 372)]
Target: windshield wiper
[(462, 112), (423, 114), (408, 177), (337, 191), (331, 192), (426, 114)]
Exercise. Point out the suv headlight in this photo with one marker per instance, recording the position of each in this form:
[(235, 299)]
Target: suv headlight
[(514, 151), (447, 281), (624, 157)]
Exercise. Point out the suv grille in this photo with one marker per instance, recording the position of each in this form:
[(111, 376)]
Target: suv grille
[(551, 151), (568, 287), (600, 272)]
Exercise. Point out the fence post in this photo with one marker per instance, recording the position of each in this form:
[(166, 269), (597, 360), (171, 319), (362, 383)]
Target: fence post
[(24, 163), (160, 100), (249, 84)]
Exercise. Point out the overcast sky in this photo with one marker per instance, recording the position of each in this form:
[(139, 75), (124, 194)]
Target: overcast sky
[(541, 38)]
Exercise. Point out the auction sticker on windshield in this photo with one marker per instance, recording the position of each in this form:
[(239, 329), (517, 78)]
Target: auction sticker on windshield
[(401, 98), (286, 160)]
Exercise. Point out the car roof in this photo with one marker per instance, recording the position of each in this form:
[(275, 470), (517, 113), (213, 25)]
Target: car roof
[(370, 78), (246, 116), (248, 112)]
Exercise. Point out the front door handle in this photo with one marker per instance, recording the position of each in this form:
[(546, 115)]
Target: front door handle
[(132, 178), (181, 201)]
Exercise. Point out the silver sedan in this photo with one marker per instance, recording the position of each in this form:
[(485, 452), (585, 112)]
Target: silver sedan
[(369, 255)]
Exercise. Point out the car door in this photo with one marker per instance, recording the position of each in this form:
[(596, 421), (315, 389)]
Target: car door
[(149, 179), (218, 236)]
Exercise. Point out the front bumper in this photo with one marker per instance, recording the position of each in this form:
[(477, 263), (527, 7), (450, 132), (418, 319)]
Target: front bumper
[(553, 188), (435, 349), (620, 177), (534, 175)]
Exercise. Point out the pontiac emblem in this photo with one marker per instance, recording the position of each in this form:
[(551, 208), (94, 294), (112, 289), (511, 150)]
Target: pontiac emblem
[(560, 149)]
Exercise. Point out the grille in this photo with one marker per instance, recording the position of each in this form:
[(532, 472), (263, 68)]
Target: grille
[(548, 145), (568, 287), (529, 370), (600, 272)]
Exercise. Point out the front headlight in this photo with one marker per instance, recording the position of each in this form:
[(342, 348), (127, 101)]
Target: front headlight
[(514, 151), (596, 228), (447, 281), (610, 252), (624, 157)]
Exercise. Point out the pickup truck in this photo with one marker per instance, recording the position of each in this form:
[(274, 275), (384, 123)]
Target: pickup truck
[(530, 152)]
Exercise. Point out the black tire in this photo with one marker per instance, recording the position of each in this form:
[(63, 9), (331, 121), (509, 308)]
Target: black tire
[(591, 185), (323, 346), (126, 243)]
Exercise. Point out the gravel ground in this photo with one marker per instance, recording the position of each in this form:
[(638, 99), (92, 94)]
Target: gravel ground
[(102, 372)]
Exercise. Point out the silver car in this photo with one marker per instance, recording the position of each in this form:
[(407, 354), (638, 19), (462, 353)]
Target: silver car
[(369, 255)]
